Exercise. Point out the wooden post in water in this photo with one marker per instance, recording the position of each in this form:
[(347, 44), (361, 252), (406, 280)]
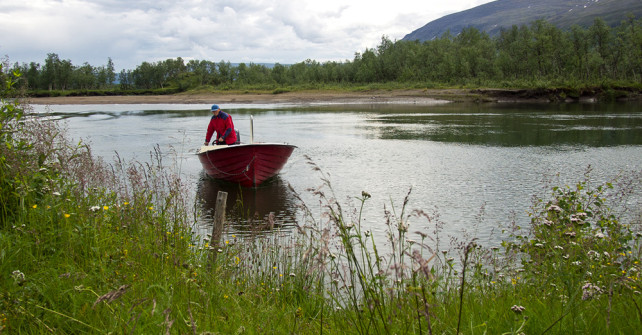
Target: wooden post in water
[(217, 228)]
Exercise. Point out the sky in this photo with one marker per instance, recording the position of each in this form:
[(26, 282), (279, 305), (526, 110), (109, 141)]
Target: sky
[(131, 32)]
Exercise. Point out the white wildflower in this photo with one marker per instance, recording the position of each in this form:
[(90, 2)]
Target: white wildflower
[(599, 235), (518, 309), (554, 208), (94, 208), (589, 291), (593, 254), (18, 277), (575, 219)]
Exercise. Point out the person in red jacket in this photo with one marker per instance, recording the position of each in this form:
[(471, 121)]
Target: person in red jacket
[(222, 124)]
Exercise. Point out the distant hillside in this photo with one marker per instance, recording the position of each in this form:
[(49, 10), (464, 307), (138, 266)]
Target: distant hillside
[(491, 17)]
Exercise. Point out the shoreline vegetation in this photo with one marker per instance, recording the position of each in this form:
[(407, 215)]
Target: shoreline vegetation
[(94, 247)]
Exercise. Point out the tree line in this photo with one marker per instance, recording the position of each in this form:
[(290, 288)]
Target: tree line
[(518, 56)]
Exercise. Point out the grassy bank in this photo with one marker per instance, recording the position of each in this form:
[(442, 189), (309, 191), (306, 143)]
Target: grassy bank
[(89, 247), (487, 91)]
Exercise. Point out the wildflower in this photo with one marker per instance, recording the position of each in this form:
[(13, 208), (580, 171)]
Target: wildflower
[(56, 193), (559, 247), (539, 245), (225, 296), (518, 309), (292, 274), (105, 207), (589, 291), (599, 235), (570, 233), (548, 222), (67, 215), (554, 208), (151, 208), (126, 203), (94, 208), (577, 263), (34, 206), (581, 215), (18, 277), (575, 219)]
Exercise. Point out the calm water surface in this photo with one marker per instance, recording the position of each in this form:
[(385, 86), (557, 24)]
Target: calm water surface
[(477, 166)]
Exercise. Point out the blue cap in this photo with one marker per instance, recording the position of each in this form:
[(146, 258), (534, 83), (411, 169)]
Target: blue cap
[(215, 107)]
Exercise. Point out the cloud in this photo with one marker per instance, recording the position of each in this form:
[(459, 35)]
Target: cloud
[(131, 32)]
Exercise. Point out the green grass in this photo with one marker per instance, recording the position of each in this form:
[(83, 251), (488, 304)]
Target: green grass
[(87, 247)]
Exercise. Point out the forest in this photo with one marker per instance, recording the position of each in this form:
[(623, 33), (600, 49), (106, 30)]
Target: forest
[(534, 55)]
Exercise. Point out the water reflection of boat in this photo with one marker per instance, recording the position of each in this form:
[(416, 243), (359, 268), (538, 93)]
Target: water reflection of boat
[(267, 207)]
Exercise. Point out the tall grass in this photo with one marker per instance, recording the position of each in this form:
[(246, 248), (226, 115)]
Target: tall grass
[(90, 247)]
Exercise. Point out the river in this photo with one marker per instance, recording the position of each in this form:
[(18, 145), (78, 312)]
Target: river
[(475, 166)]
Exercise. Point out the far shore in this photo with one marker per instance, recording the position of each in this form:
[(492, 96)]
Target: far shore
[(407, 96)]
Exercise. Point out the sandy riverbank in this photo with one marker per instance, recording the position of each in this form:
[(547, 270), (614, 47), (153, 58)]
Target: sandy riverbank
[(299, 97), (409, 96)]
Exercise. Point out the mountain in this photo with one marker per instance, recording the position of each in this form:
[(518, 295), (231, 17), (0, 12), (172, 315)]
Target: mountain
[(494, 16)]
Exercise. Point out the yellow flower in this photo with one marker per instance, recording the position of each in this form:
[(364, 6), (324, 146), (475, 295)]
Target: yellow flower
[(227, 242), (151, 208), (225, 296), (34, 206), (126, 203), (105, 207), (67, 215)]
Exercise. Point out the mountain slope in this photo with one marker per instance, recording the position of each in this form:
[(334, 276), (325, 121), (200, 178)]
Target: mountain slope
[(494, 16)]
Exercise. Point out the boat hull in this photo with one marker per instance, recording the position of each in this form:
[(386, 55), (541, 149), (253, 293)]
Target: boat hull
[(245, 164)]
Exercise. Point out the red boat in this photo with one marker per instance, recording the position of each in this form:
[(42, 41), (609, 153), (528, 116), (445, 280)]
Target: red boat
[(246, 164)]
